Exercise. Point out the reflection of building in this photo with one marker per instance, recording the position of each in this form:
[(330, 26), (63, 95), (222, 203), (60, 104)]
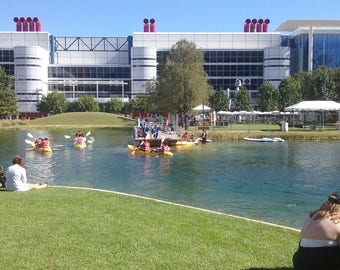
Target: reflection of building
[(121, 66)]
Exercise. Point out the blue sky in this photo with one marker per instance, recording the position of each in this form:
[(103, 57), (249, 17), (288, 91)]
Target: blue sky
[(111, 18)]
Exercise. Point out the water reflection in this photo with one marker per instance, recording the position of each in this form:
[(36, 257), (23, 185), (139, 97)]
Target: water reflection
[(273, 182)]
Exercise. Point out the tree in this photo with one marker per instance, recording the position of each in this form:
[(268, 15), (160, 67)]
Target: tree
[(243, 100), (289, 92), (336, 77), (139, 103), (8, 103), (318, 85), (115, 105), (54, 102), (219, 101), (268, 97), (323, 84), (86, 103), (182, 83), (305, 80)]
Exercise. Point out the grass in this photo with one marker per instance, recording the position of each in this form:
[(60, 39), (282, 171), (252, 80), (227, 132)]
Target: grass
[(78, 119), (63, 228)]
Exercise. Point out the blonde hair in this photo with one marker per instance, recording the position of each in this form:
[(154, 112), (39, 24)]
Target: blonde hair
[(329, 210)]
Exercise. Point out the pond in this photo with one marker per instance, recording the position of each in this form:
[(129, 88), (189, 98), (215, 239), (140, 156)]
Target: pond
[(274, 182)]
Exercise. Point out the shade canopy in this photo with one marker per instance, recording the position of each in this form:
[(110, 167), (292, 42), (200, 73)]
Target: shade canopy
[(224, 113), (202, 108), (315, 105)]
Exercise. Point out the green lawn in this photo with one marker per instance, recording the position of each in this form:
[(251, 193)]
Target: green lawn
[(62, 228), (85, 119)]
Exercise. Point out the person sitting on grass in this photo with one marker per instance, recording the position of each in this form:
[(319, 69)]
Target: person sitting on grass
[(319, 246), (2, 177), (16, 179)]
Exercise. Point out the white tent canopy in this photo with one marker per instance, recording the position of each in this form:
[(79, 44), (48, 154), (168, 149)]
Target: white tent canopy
[(315, 105), (202, 108)]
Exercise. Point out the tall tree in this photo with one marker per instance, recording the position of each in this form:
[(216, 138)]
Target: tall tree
[(182, 83), (219, 101), (54, 102), (268, 97), (289, 92), (243, 100), (8, 103)]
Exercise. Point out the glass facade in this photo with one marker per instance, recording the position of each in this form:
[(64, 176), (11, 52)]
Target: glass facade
[(299, 53), (79, 80), (225, 67), (326, 50), (7, 60)]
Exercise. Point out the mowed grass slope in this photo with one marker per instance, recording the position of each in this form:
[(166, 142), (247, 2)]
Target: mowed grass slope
[(95, 119), (63, 228)]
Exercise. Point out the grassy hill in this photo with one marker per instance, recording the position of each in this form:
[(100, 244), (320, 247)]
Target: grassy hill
[(93, 119)]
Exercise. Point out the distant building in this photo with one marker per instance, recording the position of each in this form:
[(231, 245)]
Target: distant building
[(120, 66)]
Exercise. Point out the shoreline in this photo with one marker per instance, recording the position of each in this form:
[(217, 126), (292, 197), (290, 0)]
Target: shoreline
[(181, 205)]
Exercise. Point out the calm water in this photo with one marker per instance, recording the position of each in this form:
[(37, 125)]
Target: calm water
[(274, 182)]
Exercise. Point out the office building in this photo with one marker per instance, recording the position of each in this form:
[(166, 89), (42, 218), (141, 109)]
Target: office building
[(103, 67)]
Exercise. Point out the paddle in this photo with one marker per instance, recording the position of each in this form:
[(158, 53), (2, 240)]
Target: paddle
[(29, 142), (67, 137), (30, 135), (32, 144), (88, 134)]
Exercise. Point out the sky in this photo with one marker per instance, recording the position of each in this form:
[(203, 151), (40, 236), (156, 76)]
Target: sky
[(111, 18)]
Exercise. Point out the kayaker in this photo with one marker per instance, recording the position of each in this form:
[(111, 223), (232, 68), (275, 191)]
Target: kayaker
[(79, 140), (79, 134), (192, 138), (204, 136), (45, 143), (38, 142), (164, 147), (145, 146), (319, 246), (185, 137), (16, 179)]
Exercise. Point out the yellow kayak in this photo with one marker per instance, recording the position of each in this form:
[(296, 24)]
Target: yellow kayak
[(79, 145), (186, 143), (136, 149), (40, 149)]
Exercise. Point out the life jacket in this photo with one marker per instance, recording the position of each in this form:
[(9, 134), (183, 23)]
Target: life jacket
[(146, 146), (38, 142), (45, 143), (79, 140)]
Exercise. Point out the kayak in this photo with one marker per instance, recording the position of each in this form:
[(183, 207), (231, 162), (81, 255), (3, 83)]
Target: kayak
[(40, 149), (186, 143), (137, 150), (79, 145), (265, 139)]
